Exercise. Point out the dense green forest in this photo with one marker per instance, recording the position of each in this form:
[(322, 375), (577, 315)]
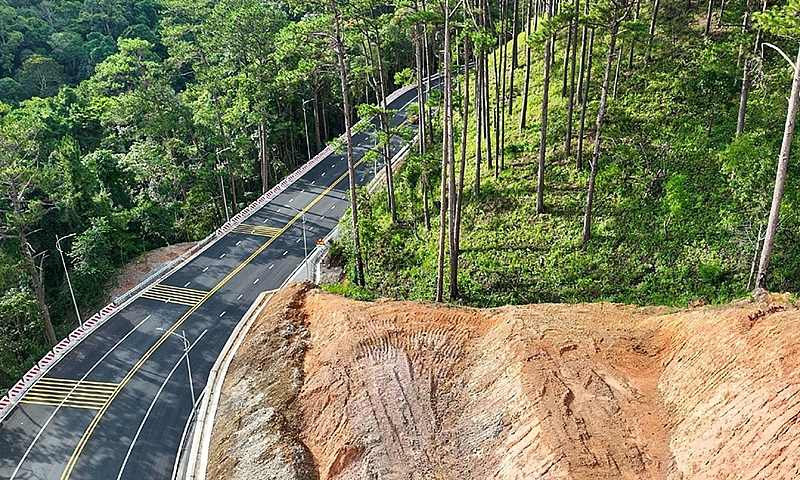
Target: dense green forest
[(183, 115), (584, 151), (662, 198)]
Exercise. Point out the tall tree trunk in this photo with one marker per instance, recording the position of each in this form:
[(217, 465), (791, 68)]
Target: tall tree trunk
[(317, 137), (487, 112), (616, 73), (497, 65), (325, 128), (543, 135), (514, 41), (755, 254), (710, 11), (524, 112), (514, 62), (601, 112), (502, 111), (384, 119), (652, 31), (339, 46), (565, 66), (748, 65), (35, 272), (263, 157), (422, 121), (478, 123), (780, 177), (457, 189), (447, 149), (571, 95), (633, 39), (585, 102), (421, 94)]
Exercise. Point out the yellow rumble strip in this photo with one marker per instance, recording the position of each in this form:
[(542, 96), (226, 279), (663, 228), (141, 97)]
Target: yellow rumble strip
[(257, 230), (171, 294), (69, 393)]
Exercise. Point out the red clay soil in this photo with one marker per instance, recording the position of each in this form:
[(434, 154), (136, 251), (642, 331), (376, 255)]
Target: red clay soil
[(144, 266), (330, 388)]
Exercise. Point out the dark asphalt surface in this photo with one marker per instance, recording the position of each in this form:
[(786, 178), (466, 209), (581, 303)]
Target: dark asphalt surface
[(87, 418)]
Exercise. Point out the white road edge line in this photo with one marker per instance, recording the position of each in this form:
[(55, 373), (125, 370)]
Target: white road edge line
[(152, 403), (52, 415)]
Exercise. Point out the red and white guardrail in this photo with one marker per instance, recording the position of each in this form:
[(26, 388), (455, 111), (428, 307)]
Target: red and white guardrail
[(76, 336)]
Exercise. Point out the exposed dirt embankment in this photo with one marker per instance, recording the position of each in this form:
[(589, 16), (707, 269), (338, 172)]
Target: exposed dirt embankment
[(329, 388)]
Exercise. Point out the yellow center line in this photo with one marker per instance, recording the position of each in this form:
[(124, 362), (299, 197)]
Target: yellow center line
[(96, 420)]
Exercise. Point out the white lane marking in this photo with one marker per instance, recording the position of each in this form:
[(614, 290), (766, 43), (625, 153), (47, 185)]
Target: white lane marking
[(270, 267), (310, 228), (267, 220), (221, 256), (290, 200), (313, 182), (298, 240), (205, 269), (237, 243), (333, 207), (257, 279), (52, 415), (344, 197), (222, 314), (239, 297), (303, 190), (187, 284), (323, 174), (334, 165), (152, 404), (284, 253), (322, 217)]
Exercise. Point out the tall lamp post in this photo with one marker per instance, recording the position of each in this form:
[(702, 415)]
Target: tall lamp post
[(69, 283), (305, 244), (305, 124), (222, 185)]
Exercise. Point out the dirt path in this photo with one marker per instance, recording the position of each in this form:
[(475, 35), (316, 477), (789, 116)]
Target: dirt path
[(329, 388), (144, 266)]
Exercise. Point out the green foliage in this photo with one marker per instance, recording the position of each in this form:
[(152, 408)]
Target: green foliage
[(350, 290), (678, 207)]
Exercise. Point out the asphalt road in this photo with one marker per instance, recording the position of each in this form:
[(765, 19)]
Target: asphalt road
[(116, 406)]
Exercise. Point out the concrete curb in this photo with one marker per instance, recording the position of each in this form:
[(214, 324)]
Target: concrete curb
[(201, 440)]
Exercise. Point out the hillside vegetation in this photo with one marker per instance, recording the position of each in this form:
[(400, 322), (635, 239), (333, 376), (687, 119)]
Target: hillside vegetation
[(183, 112), (681, 202)]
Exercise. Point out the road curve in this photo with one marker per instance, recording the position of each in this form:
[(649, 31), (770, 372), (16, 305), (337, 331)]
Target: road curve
[(116, 406)]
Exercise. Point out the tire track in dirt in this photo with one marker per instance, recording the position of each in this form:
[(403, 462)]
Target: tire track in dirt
[(406, 390)]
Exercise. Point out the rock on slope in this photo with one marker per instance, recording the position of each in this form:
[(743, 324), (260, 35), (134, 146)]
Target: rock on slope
[(329, 388)]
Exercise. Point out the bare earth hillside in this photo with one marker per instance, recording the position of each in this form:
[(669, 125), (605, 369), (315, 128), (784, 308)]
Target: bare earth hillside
[(329, 388)]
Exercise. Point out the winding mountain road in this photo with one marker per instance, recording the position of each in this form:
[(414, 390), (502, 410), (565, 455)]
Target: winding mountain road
[(116, 406)]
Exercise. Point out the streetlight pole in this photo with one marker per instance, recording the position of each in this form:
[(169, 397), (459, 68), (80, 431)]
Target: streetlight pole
[(305, 124), (186, 347), (305, 243), (69, 283), (222, 185)]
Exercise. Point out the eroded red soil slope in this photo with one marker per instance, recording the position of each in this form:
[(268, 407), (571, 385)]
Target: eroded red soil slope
[(329, 388)]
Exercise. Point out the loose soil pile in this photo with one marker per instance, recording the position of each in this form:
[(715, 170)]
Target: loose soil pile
[(330, 388)]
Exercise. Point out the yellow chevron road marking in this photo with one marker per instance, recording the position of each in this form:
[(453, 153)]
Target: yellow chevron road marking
[(171, 294), (73, 459), (69, 393), (257, 230)]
